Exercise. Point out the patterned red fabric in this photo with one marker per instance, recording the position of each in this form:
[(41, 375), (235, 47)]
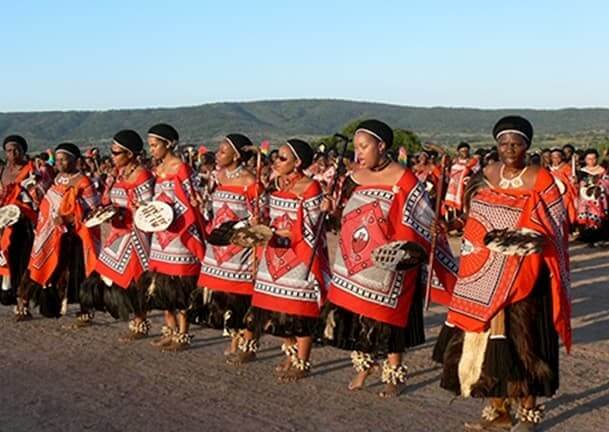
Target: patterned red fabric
[(15, 194), (61, 200), (459, 172), (376, 215), (178, 251), (593, 211), (125, 254), (280, 282), (489, 281), (229, 268), (563, 174)]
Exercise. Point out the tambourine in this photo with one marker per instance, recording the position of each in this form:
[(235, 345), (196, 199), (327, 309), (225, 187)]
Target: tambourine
[(153, 217), (9, 215), (398, 255), (99, 216), (520, 242)]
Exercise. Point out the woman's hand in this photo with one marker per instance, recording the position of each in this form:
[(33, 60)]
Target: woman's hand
[(438, 226), (327, 204)]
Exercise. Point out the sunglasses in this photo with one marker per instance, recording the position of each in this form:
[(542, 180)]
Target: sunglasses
[(118, 153), (283, 158)]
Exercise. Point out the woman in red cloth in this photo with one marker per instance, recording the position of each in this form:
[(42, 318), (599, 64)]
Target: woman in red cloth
[(124, 257), (564, 178), (17, 187), (176, 253), (293, 272), (378, 312), (64, 251), (510, 304), (593, 204), (228, 270), (463, 167)]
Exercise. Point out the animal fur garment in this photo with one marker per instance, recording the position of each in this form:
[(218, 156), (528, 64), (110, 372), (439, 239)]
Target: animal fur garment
[(521, 242)]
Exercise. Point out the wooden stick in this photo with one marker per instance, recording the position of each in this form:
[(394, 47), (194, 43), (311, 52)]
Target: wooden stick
[(434, 236)]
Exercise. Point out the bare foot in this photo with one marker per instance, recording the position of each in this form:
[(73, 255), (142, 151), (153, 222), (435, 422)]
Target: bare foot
[(175, 346), (240, 358), (293, 375), (390, 391), (232, 348), (131, 337), (162, 341), (358, 381), (285, 364)]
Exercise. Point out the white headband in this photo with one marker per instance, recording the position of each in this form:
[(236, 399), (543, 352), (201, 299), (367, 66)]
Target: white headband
[(171, 143), (293, 151), (228, 140), (66, 152), (514, 131), (369, 132)]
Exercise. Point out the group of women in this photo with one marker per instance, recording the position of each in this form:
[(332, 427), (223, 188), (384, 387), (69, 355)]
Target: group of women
[(506, 309)]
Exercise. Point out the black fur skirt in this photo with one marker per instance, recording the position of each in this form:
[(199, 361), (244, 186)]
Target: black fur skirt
[(525, 363), (120, 303), (225, 311), (353, 332), (165, 292), (19, 251), (262, 321), (64, 282)]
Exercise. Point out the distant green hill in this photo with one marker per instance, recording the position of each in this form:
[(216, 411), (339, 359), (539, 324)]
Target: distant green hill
[(277, 120)]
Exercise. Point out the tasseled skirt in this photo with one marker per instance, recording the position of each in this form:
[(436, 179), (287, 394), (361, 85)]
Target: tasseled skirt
[(354, 332), (525, 363), (64, 282), (119, 302), (165, 292), (262, 321), (19, 251), (224, 310)]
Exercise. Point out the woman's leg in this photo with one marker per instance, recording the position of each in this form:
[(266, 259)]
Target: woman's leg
[(301, 366), (168, 331), (393, 375)]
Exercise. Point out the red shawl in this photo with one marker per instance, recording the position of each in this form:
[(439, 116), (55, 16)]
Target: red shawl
[(364, 228), (61, 200), (489, 281), (184, 236), (13, 195)]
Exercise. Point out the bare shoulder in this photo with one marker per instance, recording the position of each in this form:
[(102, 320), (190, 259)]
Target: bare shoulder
[(395, 171), (302, 185), (247, 178), (491, 171)]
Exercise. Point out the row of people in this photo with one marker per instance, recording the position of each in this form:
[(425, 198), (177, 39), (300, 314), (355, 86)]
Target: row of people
[(508, 297)]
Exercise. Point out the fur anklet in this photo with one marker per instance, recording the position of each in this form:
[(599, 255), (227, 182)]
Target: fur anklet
[(361, 361), (393, 374)]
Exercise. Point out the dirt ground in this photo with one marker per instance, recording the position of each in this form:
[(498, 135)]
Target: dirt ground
[(55, 379)]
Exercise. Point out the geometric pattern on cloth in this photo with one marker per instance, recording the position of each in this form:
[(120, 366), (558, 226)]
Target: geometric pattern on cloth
[(230, 262), (479, 280), (124, 241), (287, 280), (418, 214), (350, 272), (167, 246)]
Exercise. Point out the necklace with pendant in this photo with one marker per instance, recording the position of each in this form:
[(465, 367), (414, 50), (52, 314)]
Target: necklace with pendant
[(66, 179), (513, 183)]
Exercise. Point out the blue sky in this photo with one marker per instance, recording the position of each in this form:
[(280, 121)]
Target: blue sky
[(123, 54)]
